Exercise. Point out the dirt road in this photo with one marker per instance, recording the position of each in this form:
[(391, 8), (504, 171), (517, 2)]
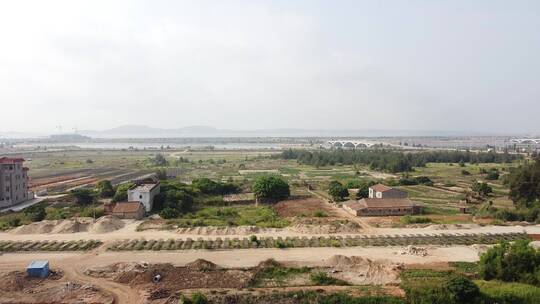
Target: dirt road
[(365, 226)]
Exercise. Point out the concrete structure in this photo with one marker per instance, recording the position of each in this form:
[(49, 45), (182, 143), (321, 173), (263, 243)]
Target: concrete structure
[(129, 210), (382, 201), (144, 193), (13, 182), (523, 144), (38, 269), (352, 144), (382, 191)]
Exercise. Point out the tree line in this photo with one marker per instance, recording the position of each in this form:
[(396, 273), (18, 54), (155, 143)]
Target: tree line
[(392, 160)]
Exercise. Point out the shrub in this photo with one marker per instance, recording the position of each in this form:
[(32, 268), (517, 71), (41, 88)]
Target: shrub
[(169, 213), (198, 298), (35, 213), (517, 262), (322, 278), (320, 213), (465, 172), (407, 219), (462, 289)]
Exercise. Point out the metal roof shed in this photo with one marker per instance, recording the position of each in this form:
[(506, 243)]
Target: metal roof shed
[(39, 269)]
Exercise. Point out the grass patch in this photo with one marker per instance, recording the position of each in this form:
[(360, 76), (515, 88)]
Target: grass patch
[(322, 278), (261, 216), (407, 219), (509, 293), (277, 274)]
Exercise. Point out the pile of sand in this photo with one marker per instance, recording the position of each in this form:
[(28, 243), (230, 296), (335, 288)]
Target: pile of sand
[(361, 271), (213, 230), (114, 270), (102, 225), (201, 265), (107, 224)]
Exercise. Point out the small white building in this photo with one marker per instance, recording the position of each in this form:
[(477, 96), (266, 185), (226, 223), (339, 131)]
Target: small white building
[(144, 194)]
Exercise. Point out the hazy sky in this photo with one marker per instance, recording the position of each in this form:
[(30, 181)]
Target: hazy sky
[(415, 65)]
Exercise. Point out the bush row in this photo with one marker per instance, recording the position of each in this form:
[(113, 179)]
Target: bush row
[(79, 245), (315, 241)]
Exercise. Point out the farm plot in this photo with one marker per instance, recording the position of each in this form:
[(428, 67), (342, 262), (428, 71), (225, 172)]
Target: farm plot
[(18, 246), (322, 241)]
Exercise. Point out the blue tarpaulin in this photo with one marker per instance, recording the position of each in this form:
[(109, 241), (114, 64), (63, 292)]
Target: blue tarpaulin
[(39, 269)]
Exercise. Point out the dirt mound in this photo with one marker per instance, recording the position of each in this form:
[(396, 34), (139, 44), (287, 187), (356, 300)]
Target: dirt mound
[(17, 287), (13, 281), (198, 274), (358, 270), (114, 270), (268, 263), (201, 265), (240, 230), (107, 224), (18, 280), (84, 224)]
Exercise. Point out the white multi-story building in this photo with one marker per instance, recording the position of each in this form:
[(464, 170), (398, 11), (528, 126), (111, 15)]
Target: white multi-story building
[(144, 193), (13, 181)]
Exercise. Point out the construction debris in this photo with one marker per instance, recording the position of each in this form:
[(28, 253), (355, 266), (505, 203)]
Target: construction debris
[(413, 250)]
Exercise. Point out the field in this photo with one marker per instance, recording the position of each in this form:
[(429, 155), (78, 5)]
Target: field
[(307, 231)]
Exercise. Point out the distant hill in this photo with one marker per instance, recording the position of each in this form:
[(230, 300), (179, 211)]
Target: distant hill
[(142, 131), (146, 131)]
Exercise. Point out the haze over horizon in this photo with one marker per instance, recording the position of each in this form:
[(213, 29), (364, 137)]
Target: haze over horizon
[(468, 66)]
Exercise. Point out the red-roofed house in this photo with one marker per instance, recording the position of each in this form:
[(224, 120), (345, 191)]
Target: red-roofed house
[(13, 181), (383, 200), (383, 191)]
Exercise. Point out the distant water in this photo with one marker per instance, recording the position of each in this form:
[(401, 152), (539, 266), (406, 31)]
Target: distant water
[(158, 145)]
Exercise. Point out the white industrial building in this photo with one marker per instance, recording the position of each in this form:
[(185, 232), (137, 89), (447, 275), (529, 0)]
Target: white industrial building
[(144, 193)]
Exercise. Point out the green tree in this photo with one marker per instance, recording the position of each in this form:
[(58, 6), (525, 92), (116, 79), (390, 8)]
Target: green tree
[(159, 160), (271, 188), (105, 188), (169, 213), (35, 213), (121, 192), (83, 196), (516, 262), (481, 188), (337, 191), (525, 183), (461, 289)]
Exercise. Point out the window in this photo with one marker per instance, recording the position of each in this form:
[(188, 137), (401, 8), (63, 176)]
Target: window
[(140, 195)]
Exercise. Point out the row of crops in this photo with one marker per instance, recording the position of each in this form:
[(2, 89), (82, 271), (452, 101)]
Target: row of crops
[(322, 241), (78, 245)]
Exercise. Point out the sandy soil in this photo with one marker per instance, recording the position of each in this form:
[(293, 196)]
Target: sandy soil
[(372, 264), (17, 287)]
